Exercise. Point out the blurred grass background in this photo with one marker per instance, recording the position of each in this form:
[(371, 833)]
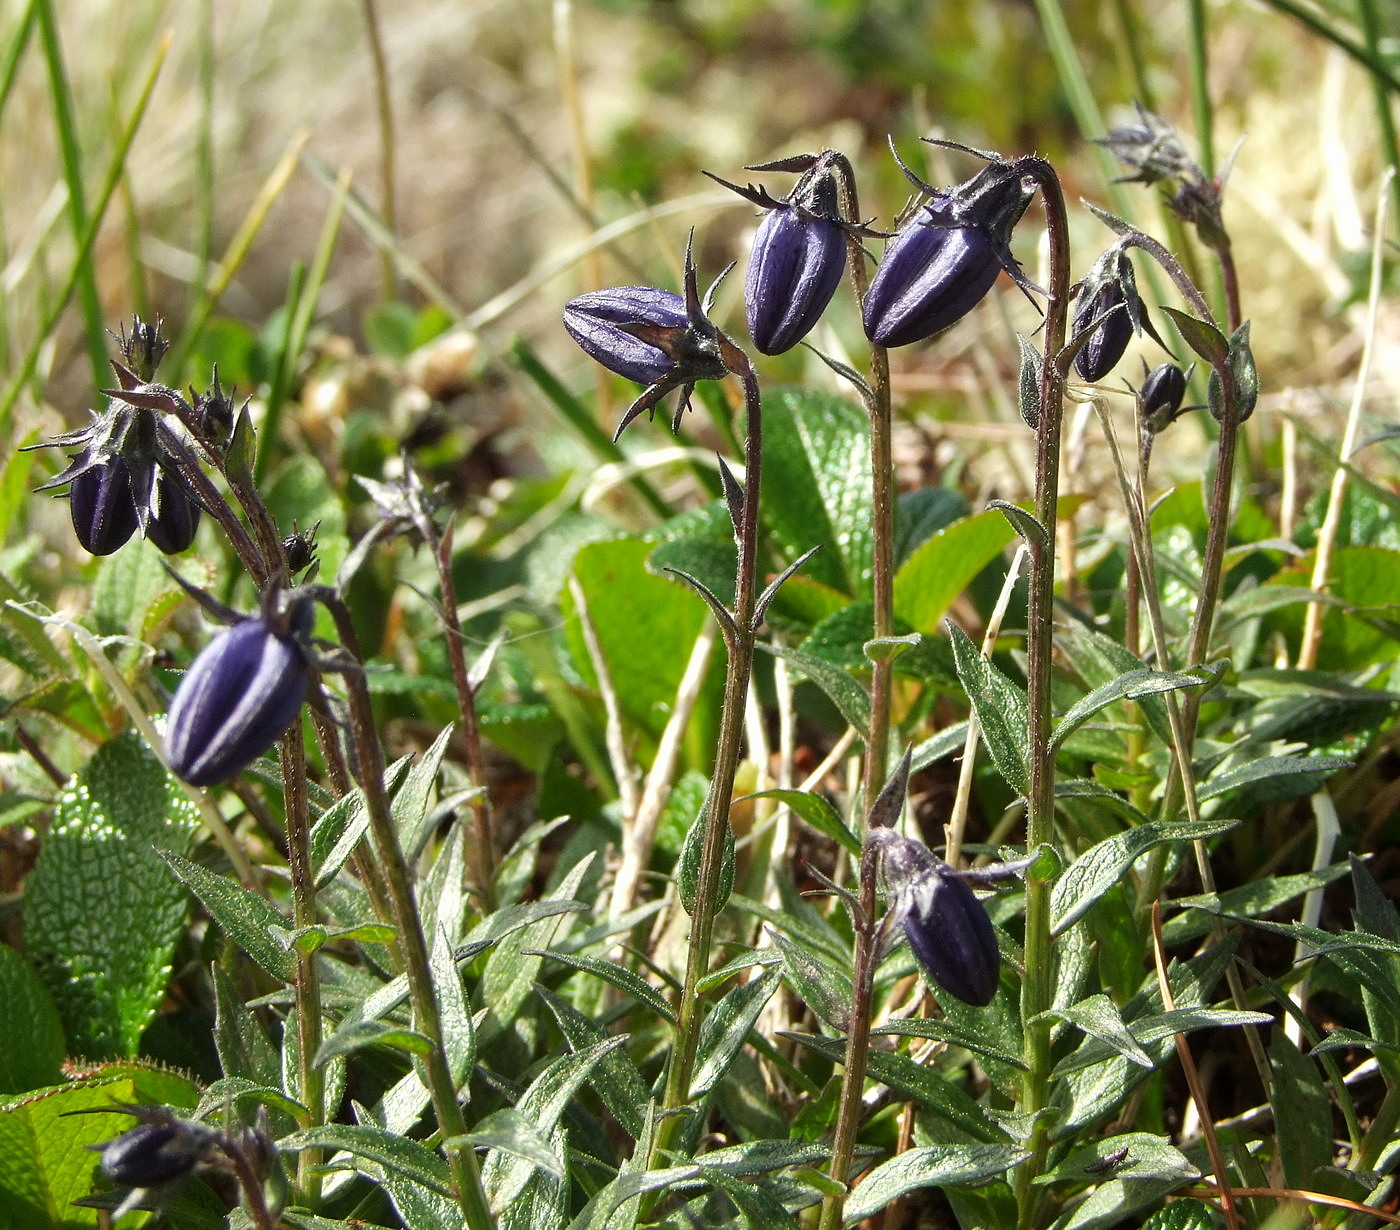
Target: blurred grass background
[(516, 132)]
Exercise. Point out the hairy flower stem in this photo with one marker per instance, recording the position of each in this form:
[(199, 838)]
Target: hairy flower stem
[(716, 814), (877, 744), (848, 1113), (482, 853), (1036, 989), (308, 983), (413, 947)]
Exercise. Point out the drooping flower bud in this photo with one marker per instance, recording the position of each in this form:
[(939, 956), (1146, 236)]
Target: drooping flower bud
[(654, 337), (944, 260), (1108, 312), (1161, 396), (154, 1153), (601, 323), (102, 506), (799, 252), (946, 925), (174, 519), (238, 698)]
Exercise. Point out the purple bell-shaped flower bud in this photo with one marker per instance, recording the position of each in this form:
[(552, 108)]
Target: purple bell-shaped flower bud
[(1108, 312), (943, 261), (1161, 396), (154, 1153), (238, 698), (174, 518), (601, 322), (946, 925), (655, 337), (102, 506)]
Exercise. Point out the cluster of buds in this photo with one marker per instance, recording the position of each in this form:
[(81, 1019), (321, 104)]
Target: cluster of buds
[(123, 478)]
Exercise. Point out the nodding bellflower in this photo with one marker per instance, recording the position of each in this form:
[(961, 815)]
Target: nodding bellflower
[(103, 506), (799, 252), (655, 337), (238, 697), (943, 260), (946, 925), (1108, 312), (154, 1153)]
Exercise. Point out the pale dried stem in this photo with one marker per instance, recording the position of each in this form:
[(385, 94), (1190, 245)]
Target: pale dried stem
[(623, 769)]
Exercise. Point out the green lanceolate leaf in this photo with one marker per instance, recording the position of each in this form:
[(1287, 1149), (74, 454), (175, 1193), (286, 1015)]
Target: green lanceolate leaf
[(244, 1050), (1001, 709), (726, 1028), (244, 916), (1098, 1016), (394, 1152), (511, 1132), (815, 810), (1129, 686), (410, 804), (102, 915), (1302, 1113), (842, 689), (1102, 865), (688, 865), (1292, 774), (826, 991), (938, 571), (938, 1166), (1246, 901), (619, 976)]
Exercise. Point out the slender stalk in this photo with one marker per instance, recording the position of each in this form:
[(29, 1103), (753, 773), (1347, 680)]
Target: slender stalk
[(369, 758), (877, 745), (1198, 61), (1374, 62), (848, 1113), (308, 983), (716, 813), (1036, 990)]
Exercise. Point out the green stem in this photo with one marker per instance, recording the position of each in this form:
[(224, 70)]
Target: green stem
[(369, 761), (308, 983), (716, 813), (1371, 59), (1036, 989), (848, 1113)]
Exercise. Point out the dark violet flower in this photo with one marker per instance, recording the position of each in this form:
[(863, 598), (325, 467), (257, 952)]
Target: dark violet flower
[(655, 337), (154, 1153), (944, 260), (794, 270), (103, 506), (946, 925), (799, 252), (1105, 315), (601, 323), (238, 698), (174, 519), (1161, 396)]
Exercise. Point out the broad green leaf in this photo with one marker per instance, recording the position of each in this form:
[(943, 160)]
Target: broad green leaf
[(1302, 1113), (454, 1013), (619, 976), (926, 1086), (1102, 865), (510, 972), (932, 578), (127, 585), (1362, 632), (815, 810), (824, 989), (646, 628), (947, 741), (939, 1166), (1182, 1215), (1133, 1155), (357, 1034), (615, 1079), (726, 1028), (764, 1156), (1111, 1202), (511, 1132), (45, 1162), (394, 1152), (504, 1173), (921, 513), (244, 916), (102, 915), (1001, 709), (947, 1031), (1129, 686), (1246, 901), (31, 1035), (711, 561), (842, 689), (1098, 1016), (335, 835), (410, 803), (233, 1091), (1159, 1026), (1274, 770), (817, 485), (244, 1050)]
